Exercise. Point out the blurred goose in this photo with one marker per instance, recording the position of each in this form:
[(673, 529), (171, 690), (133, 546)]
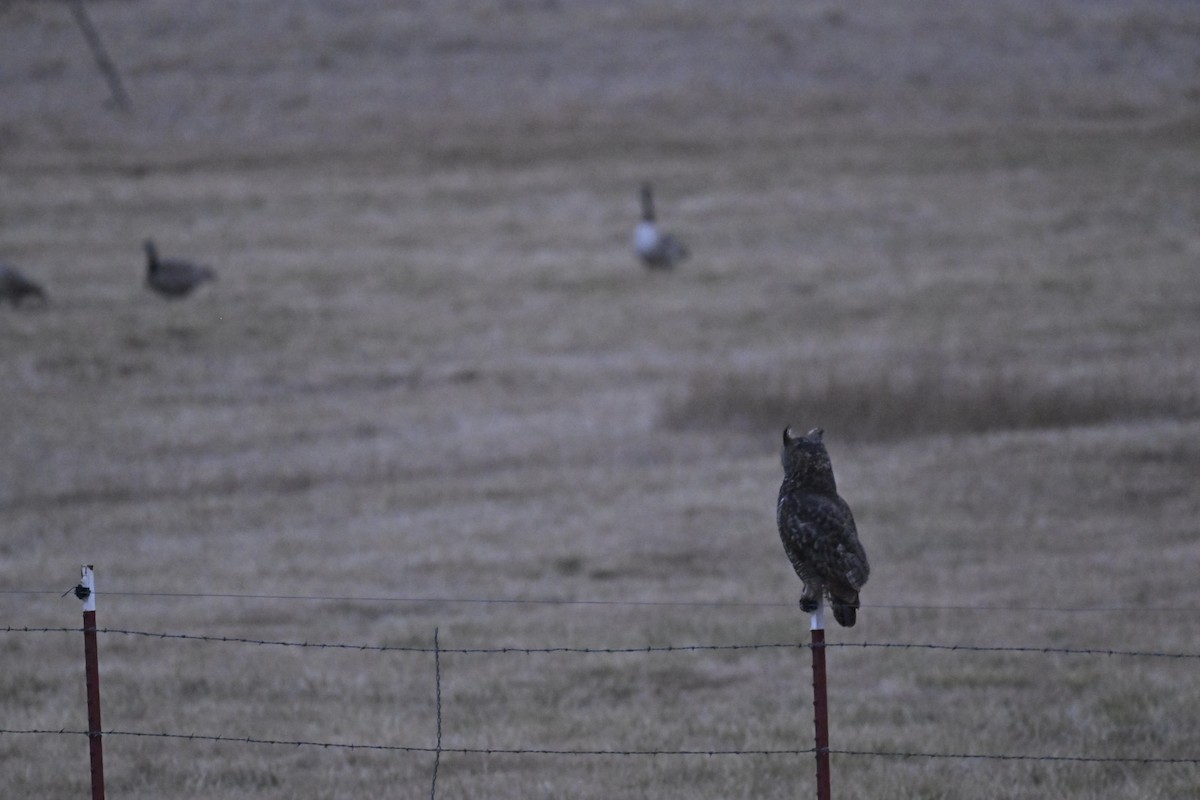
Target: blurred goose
[(174, 278), (657, 250), (15, 287)]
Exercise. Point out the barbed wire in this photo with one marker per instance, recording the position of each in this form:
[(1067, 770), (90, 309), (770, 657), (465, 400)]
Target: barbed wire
[(438, 650), (970, 648), (552, 601), (409, 648), (616, 752), (417, 748), (1023, 757)]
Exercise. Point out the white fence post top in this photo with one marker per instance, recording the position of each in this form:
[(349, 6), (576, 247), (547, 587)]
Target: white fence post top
[(87, 579), (817, 621)]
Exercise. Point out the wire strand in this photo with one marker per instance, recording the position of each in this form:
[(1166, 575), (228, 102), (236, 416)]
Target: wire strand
[(624, 752), (509, 650), (551, 601)]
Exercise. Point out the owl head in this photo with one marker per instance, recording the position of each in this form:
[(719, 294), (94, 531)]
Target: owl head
[(805, 458)]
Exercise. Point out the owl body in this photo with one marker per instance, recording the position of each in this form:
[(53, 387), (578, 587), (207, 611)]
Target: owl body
[(817, 529)]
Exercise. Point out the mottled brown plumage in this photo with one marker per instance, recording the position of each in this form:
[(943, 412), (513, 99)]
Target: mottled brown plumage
[(817, 528)]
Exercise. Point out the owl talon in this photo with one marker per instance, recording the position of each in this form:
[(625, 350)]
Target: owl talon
[(809, 605)]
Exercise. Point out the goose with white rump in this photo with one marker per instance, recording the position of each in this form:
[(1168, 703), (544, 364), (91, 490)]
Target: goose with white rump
[(658, 250)]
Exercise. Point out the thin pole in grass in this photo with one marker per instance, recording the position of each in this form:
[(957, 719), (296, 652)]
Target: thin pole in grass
[(820, 703), (103, 62), (86, 591), (437, 677)]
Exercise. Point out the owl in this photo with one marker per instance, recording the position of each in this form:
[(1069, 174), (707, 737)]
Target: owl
[(818, 530)]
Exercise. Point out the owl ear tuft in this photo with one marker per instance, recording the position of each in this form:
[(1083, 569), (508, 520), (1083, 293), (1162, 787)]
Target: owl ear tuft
[(815, 434), (787, 435)]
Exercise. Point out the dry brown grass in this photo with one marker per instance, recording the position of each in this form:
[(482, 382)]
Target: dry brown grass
[(962, 238), (898, 395)]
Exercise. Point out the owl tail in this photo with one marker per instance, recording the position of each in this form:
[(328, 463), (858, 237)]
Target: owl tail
[(845, 610)]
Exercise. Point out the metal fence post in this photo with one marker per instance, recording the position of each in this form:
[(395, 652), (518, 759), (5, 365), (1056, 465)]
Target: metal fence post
[(820, 703), (437, 677), (86, 591)]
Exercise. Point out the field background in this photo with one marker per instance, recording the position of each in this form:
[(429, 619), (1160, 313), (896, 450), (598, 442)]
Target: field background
[(961, 237)]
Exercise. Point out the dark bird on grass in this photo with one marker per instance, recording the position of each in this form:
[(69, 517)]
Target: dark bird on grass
[(171, 277), (15, 287), (657, 250), (818, 530)]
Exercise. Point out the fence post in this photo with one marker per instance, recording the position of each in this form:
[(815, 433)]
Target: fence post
[(437, 678), (820, 703), (86, 591)]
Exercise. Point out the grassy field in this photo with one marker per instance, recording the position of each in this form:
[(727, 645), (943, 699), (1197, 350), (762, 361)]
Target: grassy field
[(433, 390)]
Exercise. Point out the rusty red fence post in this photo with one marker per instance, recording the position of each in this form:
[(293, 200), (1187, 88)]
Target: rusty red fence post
[(820, 703), (86, 591)]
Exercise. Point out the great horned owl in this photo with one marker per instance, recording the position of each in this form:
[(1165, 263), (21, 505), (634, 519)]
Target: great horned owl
[(818, 530)]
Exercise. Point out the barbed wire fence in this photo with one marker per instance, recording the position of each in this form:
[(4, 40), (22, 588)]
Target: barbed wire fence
[(95, 734)]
